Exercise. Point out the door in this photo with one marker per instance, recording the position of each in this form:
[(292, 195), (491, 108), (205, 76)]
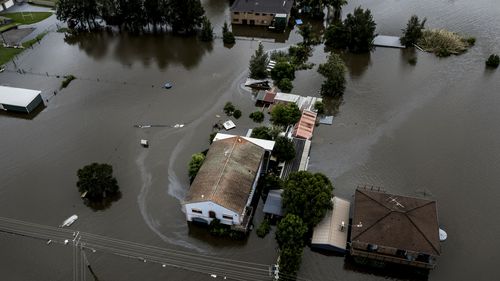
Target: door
[(211, 214), (244, 22)]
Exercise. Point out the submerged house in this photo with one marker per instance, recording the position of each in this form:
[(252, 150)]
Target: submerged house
[(331, 232), (19, 100), (393, 228), (225, 183), (275, 13)]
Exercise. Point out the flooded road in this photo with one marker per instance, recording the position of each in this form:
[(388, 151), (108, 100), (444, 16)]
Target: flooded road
[(423, 130)]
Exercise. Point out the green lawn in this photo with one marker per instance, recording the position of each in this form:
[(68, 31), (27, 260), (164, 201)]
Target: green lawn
[(6, 54), (8, 26), (27, 17)]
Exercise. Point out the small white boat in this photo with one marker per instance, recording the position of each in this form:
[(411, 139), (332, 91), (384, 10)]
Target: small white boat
[(442, 235), (69, 221), (145, 143)]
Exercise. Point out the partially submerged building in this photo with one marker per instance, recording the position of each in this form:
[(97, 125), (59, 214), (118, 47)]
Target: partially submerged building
[(225, 183), (274, 206), (19, 100), (275, 13), (331, 232), (393, 228), (5, 4)]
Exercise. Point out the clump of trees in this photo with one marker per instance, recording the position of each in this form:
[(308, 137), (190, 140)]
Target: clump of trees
[(227, 35), (257, 116), (355, 33), (334, 71), (207, 31), (181, 16), (285, 114), (229, 108), (258, 63), (97, 182), (319, 106), (195, 165), (262, 132), (413, 31), (493, 61), (285, 85), (284, 149), (290, 235)]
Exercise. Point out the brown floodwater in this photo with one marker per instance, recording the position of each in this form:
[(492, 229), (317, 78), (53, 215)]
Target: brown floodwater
[(424, 130)]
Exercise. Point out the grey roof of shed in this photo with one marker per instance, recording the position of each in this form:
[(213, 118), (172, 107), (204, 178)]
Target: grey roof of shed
[(395, 221), (263, 6), (227, 174), (273, 203)]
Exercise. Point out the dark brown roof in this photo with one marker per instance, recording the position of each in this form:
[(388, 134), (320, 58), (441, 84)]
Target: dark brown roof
[(263, 6), (227, 174), (396, 221)]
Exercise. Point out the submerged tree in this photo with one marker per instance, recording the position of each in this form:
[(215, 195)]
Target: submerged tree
[(334, 71), (207, 31), (258, 63), (413, 31), (184, 16), (284, 149), (285, 114), (227, 36), (97, 181)]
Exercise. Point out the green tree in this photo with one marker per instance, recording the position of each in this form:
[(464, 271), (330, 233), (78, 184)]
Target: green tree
[(291, 232), (97, 181), (308, 196), (282, 70), (305, 31), (290, 259), (80, 14), (337, 6), (320, 107), (207, 31), (154, 11), (195, 164), (336, 36), (257, 116), (334, 71), (258, 63), (285, 85), (284, 149), (361, 29), (262, 132), (227, 36), (237, 114), (285, 114), (413, 31), (184, 16), (229, 108)]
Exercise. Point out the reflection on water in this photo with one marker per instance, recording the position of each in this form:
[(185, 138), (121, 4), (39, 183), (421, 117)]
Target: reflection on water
[(388, 271), (356, 64), (164, 49), (102, 204), (21, 115), (260, 32)]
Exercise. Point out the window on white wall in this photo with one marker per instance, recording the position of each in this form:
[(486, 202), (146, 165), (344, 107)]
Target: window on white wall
[(227, 217), (198, 211)]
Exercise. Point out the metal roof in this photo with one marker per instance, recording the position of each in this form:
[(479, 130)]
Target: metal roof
[(395, 221), (329, 231), (273, 203), (287, 97), (265, 144), (227, 174), (387, 41), (262, 6), (305, 127), (17, 96)]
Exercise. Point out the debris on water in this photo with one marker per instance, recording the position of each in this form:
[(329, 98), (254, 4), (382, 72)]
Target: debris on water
[(167, 85), (145, 143)]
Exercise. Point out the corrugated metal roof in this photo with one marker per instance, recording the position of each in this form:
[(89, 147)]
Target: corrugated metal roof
[(387, 41), (287, 97), (227, 174), (273, 203), (305, 127), (17, 96), (329, 231), (395, 221), (266, 144), (262, 6)]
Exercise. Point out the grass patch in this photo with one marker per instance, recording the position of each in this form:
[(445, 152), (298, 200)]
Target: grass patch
[(67, 80), (444, 43), (28, 17), (6, 54), (8, 26)]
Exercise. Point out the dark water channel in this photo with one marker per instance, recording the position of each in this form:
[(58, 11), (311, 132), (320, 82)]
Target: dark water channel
[(424, 130)]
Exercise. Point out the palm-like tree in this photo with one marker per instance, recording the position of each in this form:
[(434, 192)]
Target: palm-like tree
[(337, 5)]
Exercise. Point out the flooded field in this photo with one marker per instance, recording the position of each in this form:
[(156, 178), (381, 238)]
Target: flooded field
[(424, 130)]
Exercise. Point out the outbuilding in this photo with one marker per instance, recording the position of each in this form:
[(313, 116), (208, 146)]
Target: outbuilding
[(5, 4), (331, 233), (19, 100)]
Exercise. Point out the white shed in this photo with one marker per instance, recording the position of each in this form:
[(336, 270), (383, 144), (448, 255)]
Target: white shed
[(17, 99), (331, 233)]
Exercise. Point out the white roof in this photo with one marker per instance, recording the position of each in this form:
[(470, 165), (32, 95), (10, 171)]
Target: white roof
[(287, 97), (387, 41), (17, 96), (228, 125), (266, 144), (328, 231)]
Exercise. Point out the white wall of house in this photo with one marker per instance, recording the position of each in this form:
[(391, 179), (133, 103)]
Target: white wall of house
[(225, 215)]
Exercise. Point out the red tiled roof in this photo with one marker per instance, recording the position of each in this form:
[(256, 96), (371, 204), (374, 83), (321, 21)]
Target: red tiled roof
[(305, 127)]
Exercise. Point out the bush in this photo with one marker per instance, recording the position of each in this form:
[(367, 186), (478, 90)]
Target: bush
[(257, 116), (284, 149), (67, 80), (264, 228), (195, 164), (283, 70), (262, 132), (443, 43), (493, 61), (471, 41), (207, 32), (412, 61), (212, 136), (227, 36), (413, 31), (237, 114), (229, 109), (285, 85)]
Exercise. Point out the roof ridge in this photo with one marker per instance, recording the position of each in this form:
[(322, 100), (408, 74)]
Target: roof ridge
[(376, 201), (373, 224), (223, 170)]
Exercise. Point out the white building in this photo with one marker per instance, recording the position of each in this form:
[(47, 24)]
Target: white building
[(5, 4), (17, 99), (225, 183)]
